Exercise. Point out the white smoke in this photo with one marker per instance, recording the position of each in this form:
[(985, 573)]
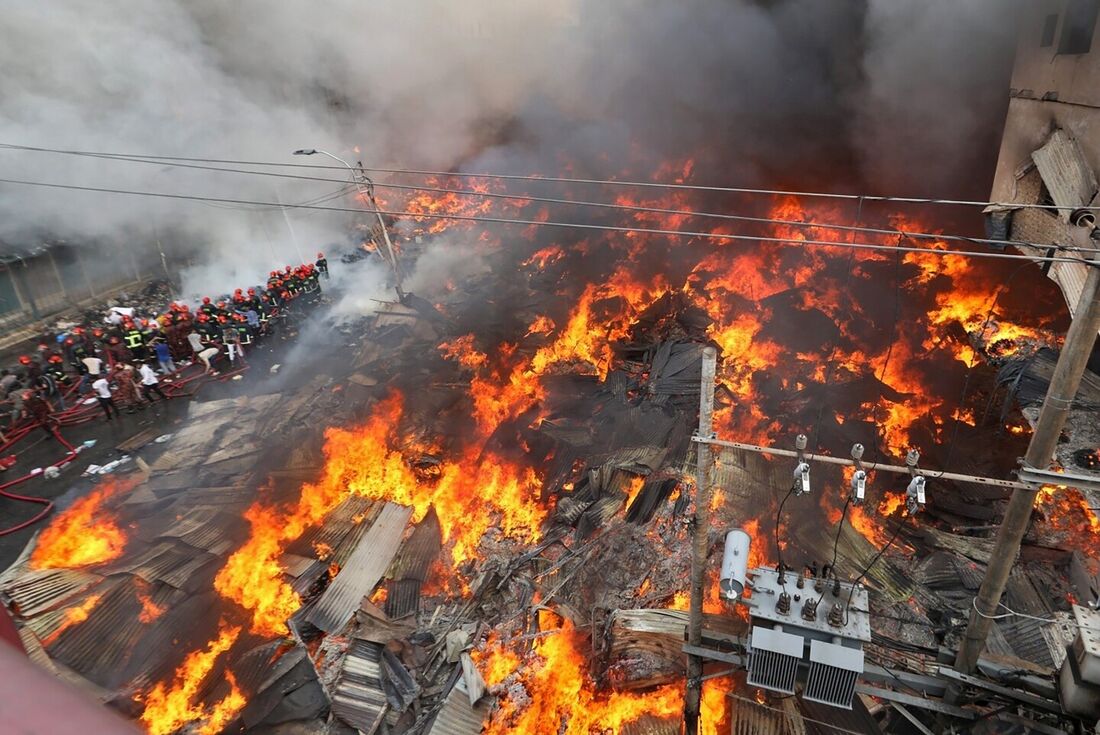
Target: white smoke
[(757, 93)]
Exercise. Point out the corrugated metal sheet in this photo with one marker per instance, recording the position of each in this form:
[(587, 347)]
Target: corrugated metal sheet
[(359, 699), (1067, 174), (420, 549), (780, 718), (458, 716), (101, 647), (363, 570), (355, 513), (39, 590), (402, 598), (652, 725), (167, 561)]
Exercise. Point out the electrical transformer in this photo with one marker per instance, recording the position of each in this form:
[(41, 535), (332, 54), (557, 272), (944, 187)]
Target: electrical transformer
[(810, 630)]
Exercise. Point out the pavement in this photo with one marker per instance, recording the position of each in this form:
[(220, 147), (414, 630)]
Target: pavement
[(38, 450)]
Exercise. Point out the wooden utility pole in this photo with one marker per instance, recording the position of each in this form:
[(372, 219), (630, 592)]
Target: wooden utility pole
[(1063, 387), (700, 540)]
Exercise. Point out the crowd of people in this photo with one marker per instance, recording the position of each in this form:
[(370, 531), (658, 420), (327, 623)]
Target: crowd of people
[(122, 361)]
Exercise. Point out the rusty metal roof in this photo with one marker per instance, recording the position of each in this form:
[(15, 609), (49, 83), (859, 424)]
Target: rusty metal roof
[(363, 570)]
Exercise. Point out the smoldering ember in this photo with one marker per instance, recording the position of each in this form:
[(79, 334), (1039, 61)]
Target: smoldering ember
[(636, 368)]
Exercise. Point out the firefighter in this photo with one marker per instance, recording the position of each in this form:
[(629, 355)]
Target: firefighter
[(208, 308), (205, 327), (115, 350), (38, 410), (322, 265), (55, 368), (134, 340), (245, 332), (253, 300)]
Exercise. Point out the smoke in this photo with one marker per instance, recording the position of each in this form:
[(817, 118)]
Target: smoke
[(898, 96)]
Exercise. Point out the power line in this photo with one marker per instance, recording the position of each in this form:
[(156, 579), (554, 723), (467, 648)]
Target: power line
[(567, 225), (554, 200), (565, 180)]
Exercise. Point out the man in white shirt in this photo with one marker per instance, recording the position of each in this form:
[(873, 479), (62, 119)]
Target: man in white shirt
[(149, 383), (103, 393), (94, 366)]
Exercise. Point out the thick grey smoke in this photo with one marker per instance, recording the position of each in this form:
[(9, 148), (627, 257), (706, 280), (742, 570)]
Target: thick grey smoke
[(900, 96)]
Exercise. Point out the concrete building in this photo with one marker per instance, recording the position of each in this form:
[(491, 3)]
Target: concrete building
[(1050, 151)]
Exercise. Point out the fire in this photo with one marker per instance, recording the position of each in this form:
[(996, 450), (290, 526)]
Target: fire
[(84, 534), (1068, 514), (73, 616), (471, 494), (561, 698), (632, 490), (167, 709), (558, 696), (495, 661), (223, 711), (150, 610)]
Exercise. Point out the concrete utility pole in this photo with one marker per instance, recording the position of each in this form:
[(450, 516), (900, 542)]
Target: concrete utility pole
[(700, 541), (366, 190), (1063, 387)]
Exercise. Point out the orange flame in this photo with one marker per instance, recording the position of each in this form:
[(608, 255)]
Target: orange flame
[(471, 494), (150, 610), (73, 616), (167, 709), (86, 533)]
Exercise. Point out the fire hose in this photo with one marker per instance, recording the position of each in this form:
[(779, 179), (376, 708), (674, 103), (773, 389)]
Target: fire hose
[(70, 455)]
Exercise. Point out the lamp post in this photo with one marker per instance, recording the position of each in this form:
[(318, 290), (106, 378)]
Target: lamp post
[(358, 177)]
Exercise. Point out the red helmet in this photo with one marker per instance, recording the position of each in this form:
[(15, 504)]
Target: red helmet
[(78, 330), (287, 269), (206, 299), (221, 304), (203, 318), (185, 308), (237, 291), (97, 332), (272, 274), (251, 292), (55, 358), (222, 318), (24, 360), (69, 341)]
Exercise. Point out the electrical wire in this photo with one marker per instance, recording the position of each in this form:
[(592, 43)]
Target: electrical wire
[(603, 205), (565, 180), (566, 225), (870, 564), (1013, 614), (792, 715), (778, 520)]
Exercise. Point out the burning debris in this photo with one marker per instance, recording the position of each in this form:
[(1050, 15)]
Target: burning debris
[(492, 529)]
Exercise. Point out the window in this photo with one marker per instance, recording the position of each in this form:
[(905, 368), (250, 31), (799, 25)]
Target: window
[(1049, 26), (1077, 27)]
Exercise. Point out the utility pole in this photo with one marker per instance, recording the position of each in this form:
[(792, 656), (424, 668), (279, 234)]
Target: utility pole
[(700, 541), (1063, 388)]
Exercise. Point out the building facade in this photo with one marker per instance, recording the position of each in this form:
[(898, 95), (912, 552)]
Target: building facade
[(1050, 151)]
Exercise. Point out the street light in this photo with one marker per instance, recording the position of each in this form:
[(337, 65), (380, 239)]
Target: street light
[(368, 192)]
